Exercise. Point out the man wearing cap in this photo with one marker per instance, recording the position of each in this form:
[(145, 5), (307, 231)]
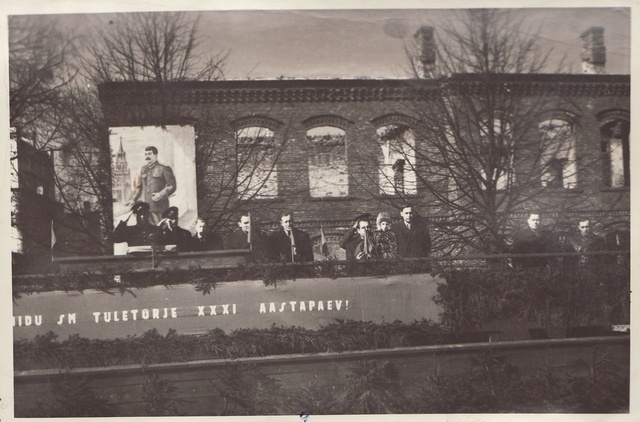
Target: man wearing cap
[(357, 240), (412, 235), (155, 185), (290, 244), (143, 233), (172, 234), (204, 240), (239, 239)]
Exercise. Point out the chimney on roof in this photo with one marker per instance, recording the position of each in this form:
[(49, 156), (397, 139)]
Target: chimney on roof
[(594, 53), (426, 58)]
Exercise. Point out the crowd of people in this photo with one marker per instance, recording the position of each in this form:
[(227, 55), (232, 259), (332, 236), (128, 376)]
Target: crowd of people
[(407, 239)]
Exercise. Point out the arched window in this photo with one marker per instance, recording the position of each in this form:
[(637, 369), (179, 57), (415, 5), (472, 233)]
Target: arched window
[(257, 172), (397, 174), (327, 158), (615, 153), (558, 154)]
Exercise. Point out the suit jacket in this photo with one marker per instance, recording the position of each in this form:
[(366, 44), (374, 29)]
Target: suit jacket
[(525, 241), (280, 246), (155, 179), (239, 240), (414, 243), (209, 242)]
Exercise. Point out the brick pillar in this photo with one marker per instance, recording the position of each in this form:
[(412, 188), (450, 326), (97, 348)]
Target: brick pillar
[(594, 53), (426, 58)]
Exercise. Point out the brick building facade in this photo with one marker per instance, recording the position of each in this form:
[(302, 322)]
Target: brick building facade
[(317, 131)]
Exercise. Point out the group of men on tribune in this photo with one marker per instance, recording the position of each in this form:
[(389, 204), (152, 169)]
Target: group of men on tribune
[(157, 224)]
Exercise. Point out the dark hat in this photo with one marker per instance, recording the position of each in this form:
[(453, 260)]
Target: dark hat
[(364, 216), (139, 207), (171, 212)]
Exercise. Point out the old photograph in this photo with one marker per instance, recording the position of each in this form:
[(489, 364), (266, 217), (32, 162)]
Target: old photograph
[(312, 212)]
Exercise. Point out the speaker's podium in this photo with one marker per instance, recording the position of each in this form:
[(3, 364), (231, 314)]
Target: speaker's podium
[(146, 258)]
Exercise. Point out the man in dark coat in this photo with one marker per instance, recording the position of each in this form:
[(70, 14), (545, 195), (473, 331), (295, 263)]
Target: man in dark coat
[(172, 234), (204, 240), (290, 244), (412, 235), (143, 233), (531, 240), (155, 185), (247, 231), (353, 241), (585, 241)]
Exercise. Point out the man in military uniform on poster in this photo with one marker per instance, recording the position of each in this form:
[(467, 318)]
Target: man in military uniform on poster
[(172, 233), (155, 185), (143, 233), (290, 244), (585, 241)]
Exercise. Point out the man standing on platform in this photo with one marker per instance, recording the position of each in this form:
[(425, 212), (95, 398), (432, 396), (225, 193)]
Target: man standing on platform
[(172, 233), (156, 183), (143, 233), (412, 235), (290, 244), (532, 239), (358, 241), (247, 236), (585, 241), (204, 240)]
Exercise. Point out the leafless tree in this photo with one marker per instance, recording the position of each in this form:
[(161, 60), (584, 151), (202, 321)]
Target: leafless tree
[(481, 145), (151, 47), (38, 71)]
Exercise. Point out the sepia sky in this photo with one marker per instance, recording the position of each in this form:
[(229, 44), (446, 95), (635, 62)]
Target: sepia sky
[(370, 43)]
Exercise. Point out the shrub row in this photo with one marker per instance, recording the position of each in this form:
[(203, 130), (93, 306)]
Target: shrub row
[(46, 351), (492, 384)]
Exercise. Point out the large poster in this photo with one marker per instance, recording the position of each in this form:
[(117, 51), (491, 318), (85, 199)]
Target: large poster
[(156, 165)]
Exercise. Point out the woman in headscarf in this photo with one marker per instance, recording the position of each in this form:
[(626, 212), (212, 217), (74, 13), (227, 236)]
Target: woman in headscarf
[(386, 246)]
